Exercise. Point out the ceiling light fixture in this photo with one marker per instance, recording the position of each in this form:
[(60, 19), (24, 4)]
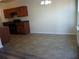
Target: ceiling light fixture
[(42, 2), (45, 2)]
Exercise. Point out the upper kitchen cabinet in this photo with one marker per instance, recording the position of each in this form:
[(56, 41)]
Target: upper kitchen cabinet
[(22, 11), (18, 11), (8, 13)]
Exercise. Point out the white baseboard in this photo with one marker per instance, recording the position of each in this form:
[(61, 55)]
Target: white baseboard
[(54, 33)]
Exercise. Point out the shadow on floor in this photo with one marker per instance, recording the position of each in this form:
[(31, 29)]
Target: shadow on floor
[(6, 53), (77, 52)]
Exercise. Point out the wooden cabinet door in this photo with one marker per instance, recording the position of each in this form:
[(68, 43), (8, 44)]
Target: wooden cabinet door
[(23, 27), (8, 12), (4, 34), (22, 11)]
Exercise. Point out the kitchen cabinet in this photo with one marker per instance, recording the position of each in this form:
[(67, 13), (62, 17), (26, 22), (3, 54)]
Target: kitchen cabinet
[(9, 13), (18, 11), (22, 11), (4, 34), (21, 27)]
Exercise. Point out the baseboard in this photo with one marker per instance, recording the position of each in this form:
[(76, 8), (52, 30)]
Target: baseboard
[(54, 33)]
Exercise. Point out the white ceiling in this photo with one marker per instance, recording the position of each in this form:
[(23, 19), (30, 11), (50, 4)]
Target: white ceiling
[(5, 1)]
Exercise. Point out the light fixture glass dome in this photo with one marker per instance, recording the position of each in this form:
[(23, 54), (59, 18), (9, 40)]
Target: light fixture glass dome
[(45, 2), (42, 2)]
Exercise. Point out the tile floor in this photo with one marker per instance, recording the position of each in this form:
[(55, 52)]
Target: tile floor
[(6, 53), (46, 46)]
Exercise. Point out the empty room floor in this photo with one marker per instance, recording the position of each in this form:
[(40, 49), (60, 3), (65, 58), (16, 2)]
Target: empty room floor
[(45, 46)]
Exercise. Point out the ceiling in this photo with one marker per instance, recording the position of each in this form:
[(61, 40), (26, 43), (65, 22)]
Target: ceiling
[(1, 1)]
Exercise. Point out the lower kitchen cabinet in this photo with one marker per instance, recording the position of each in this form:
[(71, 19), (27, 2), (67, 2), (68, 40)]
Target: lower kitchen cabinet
[(4, 34), (21, 27)]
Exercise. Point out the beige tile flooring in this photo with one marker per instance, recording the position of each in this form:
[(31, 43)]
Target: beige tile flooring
[(46, 46)]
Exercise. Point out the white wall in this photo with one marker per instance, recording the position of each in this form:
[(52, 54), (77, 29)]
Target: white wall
[(57, 18), (78, 14), (0, 19), (1, 14)]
